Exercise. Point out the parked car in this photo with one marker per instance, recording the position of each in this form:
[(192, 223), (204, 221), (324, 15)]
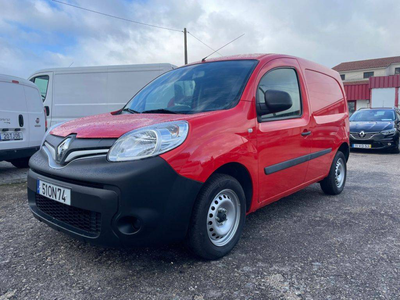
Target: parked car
[(194, 152), (70, 93), (375, 128), (22, 120)]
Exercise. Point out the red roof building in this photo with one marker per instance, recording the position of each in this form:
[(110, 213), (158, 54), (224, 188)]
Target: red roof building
[(371, 82), (377, 63)]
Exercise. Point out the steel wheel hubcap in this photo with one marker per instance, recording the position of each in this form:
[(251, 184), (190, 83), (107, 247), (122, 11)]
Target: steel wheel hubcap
[(223, 217), (340, 173)]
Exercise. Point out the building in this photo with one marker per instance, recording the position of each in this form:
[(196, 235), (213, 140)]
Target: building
[(371, 83)]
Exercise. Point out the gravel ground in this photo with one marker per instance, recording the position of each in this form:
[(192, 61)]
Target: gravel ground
[(10, 174), (306, 246)]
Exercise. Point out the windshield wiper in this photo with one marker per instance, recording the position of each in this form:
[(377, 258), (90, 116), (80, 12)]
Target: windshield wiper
[(130, 110), (159, 111)]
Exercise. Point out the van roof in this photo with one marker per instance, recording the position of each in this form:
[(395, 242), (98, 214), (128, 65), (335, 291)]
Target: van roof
[(262, 57), (108, 68), (10, 79), (257, 56)]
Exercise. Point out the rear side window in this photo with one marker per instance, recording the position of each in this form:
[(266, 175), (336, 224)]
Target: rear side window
[(325, 93), (281, 80), (42, 83)]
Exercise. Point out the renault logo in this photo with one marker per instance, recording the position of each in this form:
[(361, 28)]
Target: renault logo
[(62, 148), (361, 134)]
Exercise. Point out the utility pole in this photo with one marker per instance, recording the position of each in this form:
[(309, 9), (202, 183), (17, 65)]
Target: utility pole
[(185, 45)]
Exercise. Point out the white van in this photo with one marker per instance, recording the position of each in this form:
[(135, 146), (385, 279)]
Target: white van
[(22, 120), (70, 93)]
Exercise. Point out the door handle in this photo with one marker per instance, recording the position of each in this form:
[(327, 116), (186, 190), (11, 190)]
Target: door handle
[(305, 133), (21, 120)]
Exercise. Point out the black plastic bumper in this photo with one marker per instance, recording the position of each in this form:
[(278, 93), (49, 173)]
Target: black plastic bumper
[(11, 154), (378, 143), (138, 203)]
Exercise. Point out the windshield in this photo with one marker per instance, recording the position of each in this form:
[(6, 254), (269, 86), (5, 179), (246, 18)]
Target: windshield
[(193, 89), (373, 115)]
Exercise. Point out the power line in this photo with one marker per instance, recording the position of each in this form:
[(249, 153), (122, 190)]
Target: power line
[(115, 17), (203, 43), (146, 24)]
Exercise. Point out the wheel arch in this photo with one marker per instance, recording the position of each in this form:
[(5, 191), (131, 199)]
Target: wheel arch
[(345, 149), (241, 174)]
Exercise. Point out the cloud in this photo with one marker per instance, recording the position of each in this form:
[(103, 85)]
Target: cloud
[(40, 33)]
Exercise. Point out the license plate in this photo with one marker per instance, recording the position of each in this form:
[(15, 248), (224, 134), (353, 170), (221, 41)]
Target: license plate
[(362, 146), (54, 192), (11, 136)]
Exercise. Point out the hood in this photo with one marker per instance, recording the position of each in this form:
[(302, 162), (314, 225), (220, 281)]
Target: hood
[(111, 125), (370, 126)]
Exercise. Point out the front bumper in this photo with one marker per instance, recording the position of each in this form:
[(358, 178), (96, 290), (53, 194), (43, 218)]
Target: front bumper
[(377, 141), (134, 203), (10, 154)]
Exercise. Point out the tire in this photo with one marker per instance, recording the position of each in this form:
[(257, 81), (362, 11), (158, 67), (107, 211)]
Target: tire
[(396, 149), (21, 163), (212, 236), (336, 180)]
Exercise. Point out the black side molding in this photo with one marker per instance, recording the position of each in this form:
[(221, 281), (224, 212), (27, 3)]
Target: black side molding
[(294, 162)]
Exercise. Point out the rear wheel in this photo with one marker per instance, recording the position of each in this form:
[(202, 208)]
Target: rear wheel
[(21, 162), (336, 180), (218, 217)]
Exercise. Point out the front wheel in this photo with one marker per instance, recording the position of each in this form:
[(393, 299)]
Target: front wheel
[(396, 148), (334, 183), (218, 217)]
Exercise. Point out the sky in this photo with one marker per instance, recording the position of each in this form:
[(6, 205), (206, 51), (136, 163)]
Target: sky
[(38, 34)]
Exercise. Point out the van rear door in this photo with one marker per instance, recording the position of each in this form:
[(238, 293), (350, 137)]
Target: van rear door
[(36, 118), (14, 128), (44, 83)]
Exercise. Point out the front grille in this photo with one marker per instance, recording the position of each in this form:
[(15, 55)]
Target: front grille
[(86, 220), (367, 136), (77, 148)]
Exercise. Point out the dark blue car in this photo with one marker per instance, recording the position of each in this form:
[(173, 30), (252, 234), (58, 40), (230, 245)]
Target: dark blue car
[(375, 128)]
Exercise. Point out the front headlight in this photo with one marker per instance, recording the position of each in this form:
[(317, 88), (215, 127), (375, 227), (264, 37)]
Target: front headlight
[(389, 132), (149, 141)]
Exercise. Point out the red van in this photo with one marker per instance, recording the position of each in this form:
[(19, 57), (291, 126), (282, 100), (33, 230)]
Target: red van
[(194, 152)]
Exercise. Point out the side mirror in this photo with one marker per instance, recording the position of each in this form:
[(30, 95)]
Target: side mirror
[(47, 109), (275, 101)]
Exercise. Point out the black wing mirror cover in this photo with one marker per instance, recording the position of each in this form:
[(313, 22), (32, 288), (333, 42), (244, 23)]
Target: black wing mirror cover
[(275, 101)]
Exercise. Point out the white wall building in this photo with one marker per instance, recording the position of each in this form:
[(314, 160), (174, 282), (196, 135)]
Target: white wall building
[(371, 83)]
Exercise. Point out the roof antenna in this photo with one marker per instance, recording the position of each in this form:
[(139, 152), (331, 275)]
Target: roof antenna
[(70, 64), (222, 47)]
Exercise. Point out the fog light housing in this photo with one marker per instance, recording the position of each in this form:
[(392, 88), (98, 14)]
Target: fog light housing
[(129, 225)]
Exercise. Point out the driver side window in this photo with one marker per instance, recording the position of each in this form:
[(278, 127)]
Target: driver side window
[(281, 80), (42, 83)]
